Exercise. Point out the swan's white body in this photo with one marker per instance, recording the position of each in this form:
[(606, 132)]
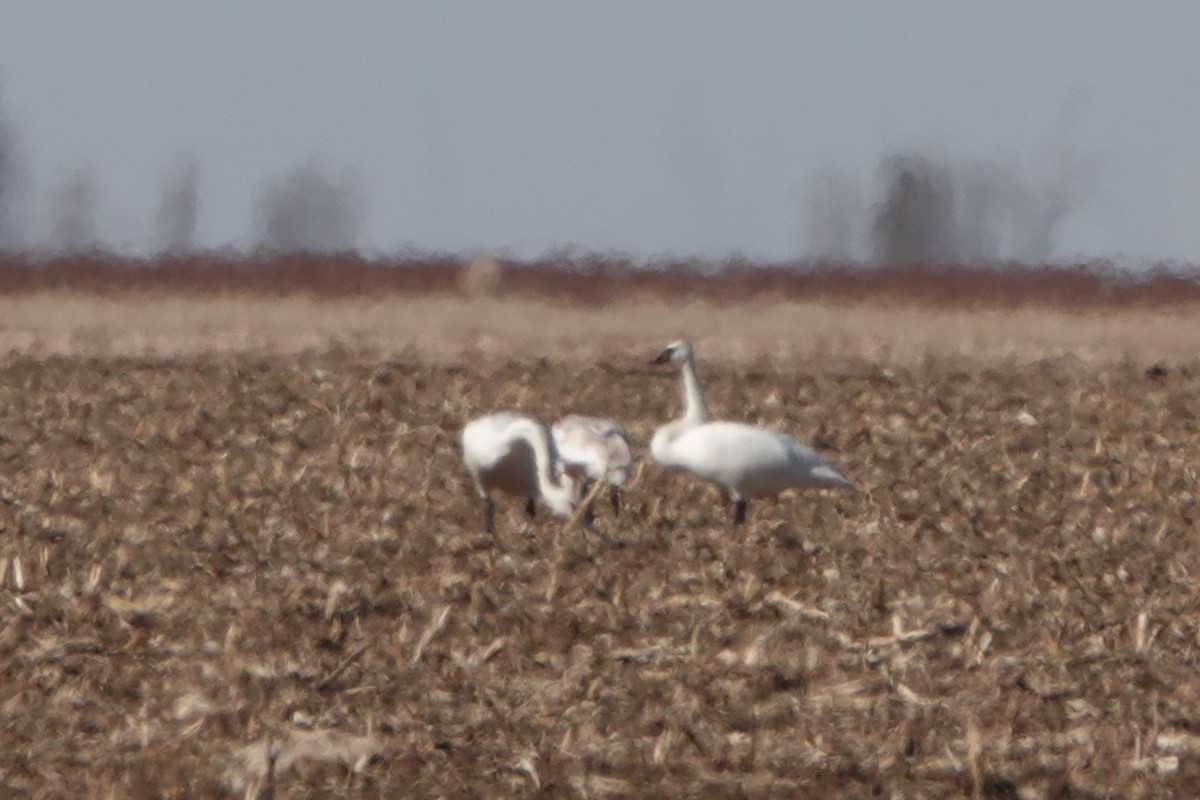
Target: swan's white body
[(516, 455), (746, 461), (600, 445)]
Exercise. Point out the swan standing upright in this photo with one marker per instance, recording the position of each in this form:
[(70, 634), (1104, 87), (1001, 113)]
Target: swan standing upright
[(600, 445), (744, 460), (515, 454)]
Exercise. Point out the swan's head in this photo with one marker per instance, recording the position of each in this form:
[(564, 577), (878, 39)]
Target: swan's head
[(677, 353), (564, 496)]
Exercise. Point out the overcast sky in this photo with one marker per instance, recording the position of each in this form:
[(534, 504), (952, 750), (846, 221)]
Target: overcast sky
[(685, 127)]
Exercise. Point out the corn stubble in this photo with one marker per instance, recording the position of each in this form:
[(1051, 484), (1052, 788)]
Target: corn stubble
[(265, 576)]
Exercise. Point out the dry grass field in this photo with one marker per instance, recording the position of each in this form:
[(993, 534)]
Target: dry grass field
[(240, 557)]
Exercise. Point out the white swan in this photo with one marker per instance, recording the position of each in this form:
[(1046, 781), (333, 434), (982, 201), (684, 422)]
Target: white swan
[(744, 460), (515, 454), (601, 445)]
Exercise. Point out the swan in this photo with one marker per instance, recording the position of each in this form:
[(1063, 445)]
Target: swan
[(601, 446), (516, 454), (744, 460)]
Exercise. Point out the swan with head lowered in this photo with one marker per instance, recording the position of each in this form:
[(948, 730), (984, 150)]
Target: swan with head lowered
[(744, 460), (515, 454), (601, 446)]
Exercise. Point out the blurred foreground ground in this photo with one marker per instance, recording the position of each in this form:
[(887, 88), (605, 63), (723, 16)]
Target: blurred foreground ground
[(450, 327)]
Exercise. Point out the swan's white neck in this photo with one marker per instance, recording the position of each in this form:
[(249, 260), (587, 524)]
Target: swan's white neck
[(695, 410), (545, 457)]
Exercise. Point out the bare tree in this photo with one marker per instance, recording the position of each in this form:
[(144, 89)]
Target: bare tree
[(311, 210), (833, 211), (73, 212), (178, 203), (13, 174), (915, 219)]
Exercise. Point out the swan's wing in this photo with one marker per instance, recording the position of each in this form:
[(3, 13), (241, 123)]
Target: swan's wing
[(813, 467), (601, 444), (599, 427), (575, 445), (752, 460), (725, 451)]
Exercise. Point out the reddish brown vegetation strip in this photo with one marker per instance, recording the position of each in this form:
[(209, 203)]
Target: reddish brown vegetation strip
[(598, 280), (248, 576)]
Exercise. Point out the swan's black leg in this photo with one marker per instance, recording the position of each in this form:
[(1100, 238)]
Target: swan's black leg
[(530, 507), (589, 513), (615, 498), (739, 511), (489, 514)]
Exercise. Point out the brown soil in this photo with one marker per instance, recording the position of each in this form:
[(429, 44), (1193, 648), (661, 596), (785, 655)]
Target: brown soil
[(239, 555), (260, 573)]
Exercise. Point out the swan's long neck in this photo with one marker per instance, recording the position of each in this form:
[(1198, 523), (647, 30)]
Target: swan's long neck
[(694, 409), (545, 456)]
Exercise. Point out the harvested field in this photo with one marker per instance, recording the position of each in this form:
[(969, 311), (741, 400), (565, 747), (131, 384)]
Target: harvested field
[(239, 556), (260, 573)]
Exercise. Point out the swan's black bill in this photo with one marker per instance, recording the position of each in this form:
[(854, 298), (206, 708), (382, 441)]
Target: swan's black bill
[(663, 357)]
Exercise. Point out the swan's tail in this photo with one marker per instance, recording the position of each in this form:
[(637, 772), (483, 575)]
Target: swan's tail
[(828, 476)]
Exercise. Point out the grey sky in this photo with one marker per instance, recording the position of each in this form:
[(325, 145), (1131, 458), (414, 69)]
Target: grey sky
[(649, 127)]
